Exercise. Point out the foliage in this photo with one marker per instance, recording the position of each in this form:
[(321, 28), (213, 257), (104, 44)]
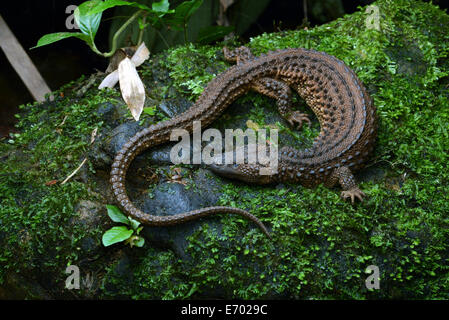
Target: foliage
[(201, 26), (88, 17), (321, 245), (36, 212), (122, 233), (197, 64)]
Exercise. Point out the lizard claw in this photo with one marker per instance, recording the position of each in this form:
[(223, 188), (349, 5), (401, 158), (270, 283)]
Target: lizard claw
[(353, 193), (297, 118)]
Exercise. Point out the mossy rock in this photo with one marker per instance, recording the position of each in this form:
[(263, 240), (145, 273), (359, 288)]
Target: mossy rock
[(321, 245)]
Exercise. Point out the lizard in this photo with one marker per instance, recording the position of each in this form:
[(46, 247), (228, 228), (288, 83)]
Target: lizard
[(342, 105)]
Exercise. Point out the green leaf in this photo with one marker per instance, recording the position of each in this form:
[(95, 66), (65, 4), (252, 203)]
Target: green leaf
[(116, 3), (139, 243), (134, 223), (116, 215), (183, 12), (87, 21), (161, 6), (151, 111), (142, 25), (116, 234), (187, 8), (53, 37), (213, 33), (192, 290)]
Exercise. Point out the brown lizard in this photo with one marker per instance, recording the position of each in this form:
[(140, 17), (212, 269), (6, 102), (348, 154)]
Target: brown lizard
[(344, 110)]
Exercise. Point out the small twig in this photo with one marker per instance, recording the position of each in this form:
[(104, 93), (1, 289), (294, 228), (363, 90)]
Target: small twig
[(74, 172), (63, 121), (81, 92), (92, 139)]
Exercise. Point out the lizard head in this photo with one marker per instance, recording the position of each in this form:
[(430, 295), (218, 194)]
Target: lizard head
[(250, 173)]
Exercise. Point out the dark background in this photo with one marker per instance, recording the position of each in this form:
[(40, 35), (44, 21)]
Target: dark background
[(67, 60)]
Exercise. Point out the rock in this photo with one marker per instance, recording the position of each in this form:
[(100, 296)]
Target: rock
[(321, 245), (121, 270), (90, 215), (174, 198), (16, 287), (109, 143), (112, 113), (174, 107)]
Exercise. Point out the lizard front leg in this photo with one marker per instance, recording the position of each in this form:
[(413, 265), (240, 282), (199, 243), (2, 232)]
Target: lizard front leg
[(282, 93), (345, 178)]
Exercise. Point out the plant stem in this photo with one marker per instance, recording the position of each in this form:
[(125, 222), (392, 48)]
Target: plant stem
[(141, 31), (119, 31)]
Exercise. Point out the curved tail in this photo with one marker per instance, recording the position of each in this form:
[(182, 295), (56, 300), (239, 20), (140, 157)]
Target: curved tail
[(146, 138)]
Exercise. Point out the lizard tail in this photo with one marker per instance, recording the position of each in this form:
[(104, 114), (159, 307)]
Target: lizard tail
[(142, 140)]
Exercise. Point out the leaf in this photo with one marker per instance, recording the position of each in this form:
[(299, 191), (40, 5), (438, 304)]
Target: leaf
[(192, 290), (142, 53), (116, 3), (213, 33), (53, 37), (116, 215), (142, 23), (161, 6), (51, 182), (116, 234), (139, 243), (183, 12), (134, 223), (131, 86), (88, 22), (110, 81), (187, 8), (151, 111)]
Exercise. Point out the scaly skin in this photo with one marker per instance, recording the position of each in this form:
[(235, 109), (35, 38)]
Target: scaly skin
[(334, 93)]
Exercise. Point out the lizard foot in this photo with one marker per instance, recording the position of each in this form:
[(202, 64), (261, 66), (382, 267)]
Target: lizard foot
[(297, 118), (353, 193)]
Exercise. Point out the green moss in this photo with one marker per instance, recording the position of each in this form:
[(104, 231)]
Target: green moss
[(191, 69), (36, 211), (321, 245)]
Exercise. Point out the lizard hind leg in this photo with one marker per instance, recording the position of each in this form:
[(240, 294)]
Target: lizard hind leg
[(345, 178), (280, 91), (270, 87)]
